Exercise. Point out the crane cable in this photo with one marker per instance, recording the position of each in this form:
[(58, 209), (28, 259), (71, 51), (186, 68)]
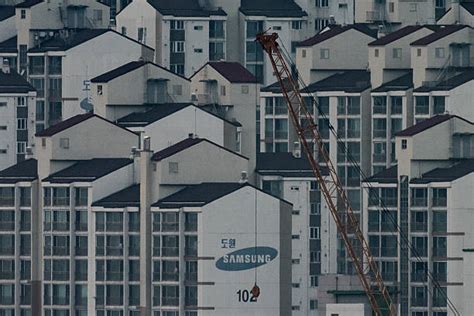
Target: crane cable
[(353, 162)]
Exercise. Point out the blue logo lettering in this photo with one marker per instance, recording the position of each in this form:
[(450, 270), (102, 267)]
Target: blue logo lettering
[(246, 258)]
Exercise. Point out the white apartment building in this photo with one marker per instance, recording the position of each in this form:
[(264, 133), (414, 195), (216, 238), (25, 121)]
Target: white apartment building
[(184, 34), (322, 13), (98, 254), (112, 98), (313, 230), (62, 67), (425, 194), (17, 110)]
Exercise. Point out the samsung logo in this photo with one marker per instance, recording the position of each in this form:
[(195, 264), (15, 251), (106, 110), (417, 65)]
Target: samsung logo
[(246, 258)]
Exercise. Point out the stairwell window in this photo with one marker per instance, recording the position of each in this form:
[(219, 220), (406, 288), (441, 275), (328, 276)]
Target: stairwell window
[(404, 144), (100, 90), (418, 52), (397, 53), (142, 34), (376, 52), (324, 53), (23, 14), (439, 52), (173, 167)]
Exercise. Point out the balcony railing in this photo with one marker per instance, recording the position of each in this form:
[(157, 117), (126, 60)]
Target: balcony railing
[(7, 225), (440, 252), (419, 301), (170, 301), (170, 251), (379, 157)]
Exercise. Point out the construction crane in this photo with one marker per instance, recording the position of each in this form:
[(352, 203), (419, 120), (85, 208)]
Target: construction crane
[(331, 188)]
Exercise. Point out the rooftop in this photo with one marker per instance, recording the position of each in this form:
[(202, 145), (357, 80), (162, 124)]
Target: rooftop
[(438, 34), (335, 31), (398, 34), (88, 170), (158, 112), (454, 172), (26, 170), (9, 45), (449, 83), (469, 6), (28, 3), (124, 69), (6, 11), (389, 175), (285, 164), (428, 123), (271, 8), (124, 198), (234, 72), (184, 8), (402, 83), (14, 83), (185, 144), (348, 81)]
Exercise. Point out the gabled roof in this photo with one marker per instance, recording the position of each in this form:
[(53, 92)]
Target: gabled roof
[(449, 83), (76, 39), (126, 68), (469, 6), (389, 175), (348, 81), (14, 83), (88, 170), (394, 36), (185, 8), (234, 72), (28, 3), (285, 164), (402, 83), (271, 8), (6, 11), (428, 123), (9, 45), (160, 111), (124, 198), (185, 144), (26, 170), (70, 122), (454, 172), (335, 31), (438, 34), (202, 194)]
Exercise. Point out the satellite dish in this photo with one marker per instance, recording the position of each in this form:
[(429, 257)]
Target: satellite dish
[(86, 105)]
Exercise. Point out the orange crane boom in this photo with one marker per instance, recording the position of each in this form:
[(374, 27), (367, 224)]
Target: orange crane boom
[(331, 188)]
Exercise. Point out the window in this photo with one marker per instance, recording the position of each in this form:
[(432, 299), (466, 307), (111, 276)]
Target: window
[(100, 90), (177, 25), (81, 196), (391, 7), (21, 101), (380, 105), (315, 256), (36, 66), (173, 167), (439, 104), (419, 296), (134, 222), (422, 105), (397, 105), (418, 52), (190, 222), (124, 30), (177, 47), (170, 295), (380, 128), (64, 143), (198, 50), (22, 124), (324, 53), (277, 28), (296, 25), (216, 51), (404, 144), (313, 304), (245, 89), (419, 246), (376, 52), (23, 14), (413, 7), (322, 3), (142, 34), (177, 89), (439, 52), (314, 233), (303, 53), (439, 247), (253, 28), (397, 53), (198, 27), (223, 90), (319, 24), (216, 29), (54, 65), (21, 148), (439, 197)]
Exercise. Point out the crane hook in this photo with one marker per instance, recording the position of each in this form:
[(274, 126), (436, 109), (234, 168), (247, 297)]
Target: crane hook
[(255, 291)]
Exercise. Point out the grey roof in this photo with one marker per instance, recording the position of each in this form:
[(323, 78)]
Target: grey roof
[(454, 172), (389, 175), (88, 170), (402, 83), (234, 72), (185, 8), (6, 11), (158, 112), (334, 31), (449, 83), (124, 69), (26, 170), (124, 198), (9, 45), (78, 38), (14, 83), (271, 8), (348, 81), (28, 3), (286, 165), (185, 144), (202, 194), (428, 123), (469, 6), (394, 36), (438, 34)]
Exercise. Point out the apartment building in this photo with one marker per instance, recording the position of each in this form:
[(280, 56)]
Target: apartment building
[(152, 84), (184, 34), (17, 109), (392, 14), (283, 17), (460, 12), (98, 254), (61, 69), (425, 196), (313, 232), (322, 13)]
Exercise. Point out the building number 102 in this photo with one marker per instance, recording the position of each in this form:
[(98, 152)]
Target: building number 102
[(246, 296)]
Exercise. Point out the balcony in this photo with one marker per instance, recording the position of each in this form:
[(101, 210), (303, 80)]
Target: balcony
[(7, 275), (388, 251), (81, 251), (419, 301), (114, 251), (7, 226), (61, 275), (61, 226), (440, 252), (60, 251), (170, 251), (373, 16), (170, 301), (379, 158), (114, 276)]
